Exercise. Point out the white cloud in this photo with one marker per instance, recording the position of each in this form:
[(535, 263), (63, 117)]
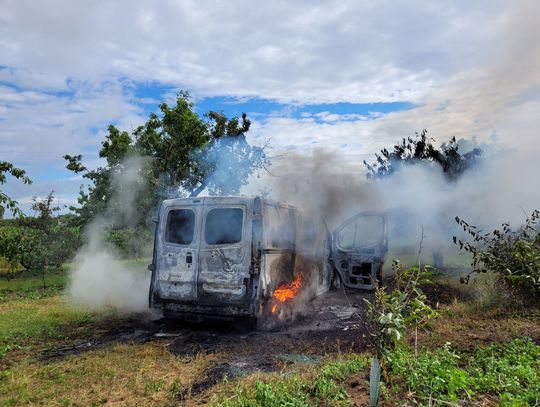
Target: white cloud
[(68, 69), (304, 51)]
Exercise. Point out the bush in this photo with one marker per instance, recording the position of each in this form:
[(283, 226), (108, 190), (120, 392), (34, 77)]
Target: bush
[(41, 241), (34, 249), (391, 313), (513, 255)]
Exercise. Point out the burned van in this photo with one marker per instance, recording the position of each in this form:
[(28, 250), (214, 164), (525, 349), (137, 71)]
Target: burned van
[(236, 257), (359, 247)]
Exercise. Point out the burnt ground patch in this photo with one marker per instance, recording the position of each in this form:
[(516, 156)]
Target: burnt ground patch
[(328, 324)]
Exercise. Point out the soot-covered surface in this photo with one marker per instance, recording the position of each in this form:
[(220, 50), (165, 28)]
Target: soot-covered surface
[(327, 324), (330, 323)]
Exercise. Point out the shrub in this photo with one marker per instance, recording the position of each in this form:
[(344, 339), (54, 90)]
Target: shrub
[(513, 255), (131, 242), (405, 306), (39, 242)]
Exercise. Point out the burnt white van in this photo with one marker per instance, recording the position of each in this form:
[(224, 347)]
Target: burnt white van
[(226, 256)]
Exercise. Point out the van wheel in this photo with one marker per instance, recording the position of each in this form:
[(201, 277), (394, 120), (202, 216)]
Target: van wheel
[(336, 281)]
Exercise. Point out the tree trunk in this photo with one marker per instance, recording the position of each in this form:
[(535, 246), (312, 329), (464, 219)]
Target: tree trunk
[(198, 190)]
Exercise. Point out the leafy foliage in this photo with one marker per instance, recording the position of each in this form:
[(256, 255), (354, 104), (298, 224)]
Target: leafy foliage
[(508, 371), (420, 148), (184, 155), (131, 242), (513, 255), (405, 306), (39, 242), (323, 388), (7, 168), (432, 374)]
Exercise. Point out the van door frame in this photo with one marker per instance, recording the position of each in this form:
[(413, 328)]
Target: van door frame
[(346, 259)]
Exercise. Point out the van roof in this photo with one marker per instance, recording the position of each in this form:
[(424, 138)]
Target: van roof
[(216, 200)]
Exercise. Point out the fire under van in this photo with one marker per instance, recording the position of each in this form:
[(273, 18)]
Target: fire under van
[(229, 257)]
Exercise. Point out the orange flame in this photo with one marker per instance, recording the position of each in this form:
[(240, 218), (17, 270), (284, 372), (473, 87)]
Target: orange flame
[(287, 291)]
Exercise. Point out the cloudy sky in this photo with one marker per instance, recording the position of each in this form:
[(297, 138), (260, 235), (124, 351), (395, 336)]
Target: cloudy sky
[(344, 76)]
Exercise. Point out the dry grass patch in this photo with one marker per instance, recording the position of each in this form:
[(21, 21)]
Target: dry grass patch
[(121, 375), (467, 326)]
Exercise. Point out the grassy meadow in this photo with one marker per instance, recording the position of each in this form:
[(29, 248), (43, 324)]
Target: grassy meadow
[(481, 350)]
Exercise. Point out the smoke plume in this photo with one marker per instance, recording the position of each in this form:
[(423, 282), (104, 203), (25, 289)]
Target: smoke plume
[(100, 279), (494, 104)]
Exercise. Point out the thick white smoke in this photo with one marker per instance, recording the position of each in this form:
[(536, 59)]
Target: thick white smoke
[(100, 279), (500, 188), (495, 102)]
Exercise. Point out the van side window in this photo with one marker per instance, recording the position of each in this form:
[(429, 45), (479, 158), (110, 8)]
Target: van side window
[(180, 226), (224, 226)]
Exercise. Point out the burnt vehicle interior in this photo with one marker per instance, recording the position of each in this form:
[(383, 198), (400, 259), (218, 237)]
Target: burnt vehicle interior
[(359, 249)]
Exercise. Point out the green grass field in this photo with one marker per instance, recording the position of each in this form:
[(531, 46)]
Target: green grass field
[(477, 352)]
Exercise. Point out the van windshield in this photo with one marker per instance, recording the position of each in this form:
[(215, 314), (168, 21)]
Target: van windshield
[(224, 226), (364, 231), (180, 226)]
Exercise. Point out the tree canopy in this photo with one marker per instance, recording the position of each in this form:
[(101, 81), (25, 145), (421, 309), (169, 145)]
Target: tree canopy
[(183, 154), (7, 168), (420, 148)]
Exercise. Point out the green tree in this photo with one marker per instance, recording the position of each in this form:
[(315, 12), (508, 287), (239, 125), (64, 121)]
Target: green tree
[(39, 242), (420, 148), (513, 255), (94, 200), (184, 155), (7, 168)]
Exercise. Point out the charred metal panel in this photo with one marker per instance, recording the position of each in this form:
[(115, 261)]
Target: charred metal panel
[(225, 260), (359, 250), (177, 263), (219, 269), (278, 247), (224, 275), (313, 243)]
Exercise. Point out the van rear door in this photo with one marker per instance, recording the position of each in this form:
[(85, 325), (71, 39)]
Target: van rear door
[(178, 259), (359, 247), (225, 254)]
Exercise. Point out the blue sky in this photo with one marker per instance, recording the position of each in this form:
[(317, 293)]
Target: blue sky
[(148, 96), (348, 77)]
